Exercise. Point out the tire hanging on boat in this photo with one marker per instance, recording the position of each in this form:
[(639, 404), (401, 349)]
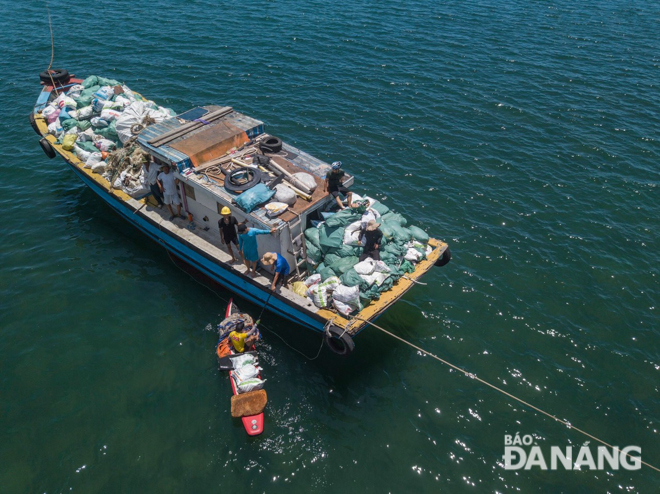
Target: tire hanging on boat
[(271, 145), (339, 341), (232, 184), (47, 148), (444, 259), (54, 75)]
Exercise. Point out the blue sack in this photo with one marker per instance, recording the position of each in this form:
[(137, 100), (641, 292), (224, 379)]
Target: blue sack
[(254, 197)]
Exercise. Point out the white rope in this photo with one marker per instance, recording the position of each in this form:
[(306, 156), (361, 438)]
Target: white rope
[(473, 376)]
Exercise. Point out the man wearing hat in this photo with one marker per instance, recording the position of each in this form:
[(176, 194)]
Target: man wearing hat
[(372, 237), (333, 184), (227, 226), (281, 268)]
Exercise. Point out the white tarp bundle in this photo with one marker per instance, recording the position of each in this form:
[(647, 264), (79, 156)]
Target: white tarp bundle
[(137, 113)]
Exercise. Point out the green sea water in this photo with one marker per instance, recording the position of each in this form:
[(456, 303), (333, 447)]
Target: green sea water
[(525, 134)]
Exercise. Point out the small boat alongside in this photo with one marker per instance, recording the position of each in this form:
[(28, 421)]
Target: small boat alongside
[(249, 398), (223, 159)]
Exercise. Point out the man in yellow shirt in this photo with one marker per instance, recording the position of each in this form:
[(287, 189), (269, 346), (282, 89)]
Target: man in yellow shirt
[(243, 337)]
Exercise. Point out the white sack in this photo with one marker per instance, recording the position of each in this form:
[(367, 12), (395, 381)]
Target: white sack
[(99, 167), (250, 385), (284, 194), (307, 180), (365, 267), (347, 294)]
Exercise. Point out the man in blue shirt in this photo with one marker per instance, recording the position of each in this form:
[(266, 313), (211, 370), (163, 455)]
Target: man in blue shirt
[(247, 246), (281, 268)]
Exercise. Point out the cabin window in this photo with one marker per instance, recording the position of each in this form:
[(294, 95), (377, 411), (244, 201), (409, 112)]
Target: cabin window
[(190, 192), (220, 206)]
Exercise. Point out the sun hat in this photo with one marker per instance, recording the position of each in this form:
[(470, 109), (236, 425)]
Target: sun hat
[(269, 258), (336, 165), (225, 211), (372, 225)]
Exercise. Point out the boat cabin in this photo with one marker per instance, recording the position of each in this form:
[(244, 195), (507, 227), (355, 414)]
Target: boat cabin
[(205, 144)]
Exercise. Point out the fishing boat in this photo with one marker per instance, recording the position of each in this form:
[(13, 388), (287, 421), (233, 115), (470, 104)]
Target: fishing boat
[(252, 422), (200, 145)]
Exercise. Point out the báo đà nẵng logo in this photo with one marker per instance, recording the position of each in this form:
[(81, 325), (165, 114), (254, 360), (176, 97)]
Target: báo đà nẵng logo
[(521, 452)]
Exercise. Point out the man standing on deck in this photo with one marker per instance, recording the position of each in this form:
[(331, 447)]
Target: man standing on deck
[(247, 244), (167, 184), (334, 184), (227, 226), (151, 171), (372, 237)]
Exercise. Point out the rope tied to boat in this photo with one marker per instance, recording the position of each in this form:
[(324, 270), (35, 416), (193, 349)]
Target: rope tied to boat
[(474, 376), (52, 51)]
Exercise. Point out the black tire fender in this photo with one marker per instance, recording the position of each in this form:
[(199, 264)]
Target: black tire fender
[(47, 148), (232, 186), (444, 259), (271, 145), (339, 341), (54, 75), (33, 124)]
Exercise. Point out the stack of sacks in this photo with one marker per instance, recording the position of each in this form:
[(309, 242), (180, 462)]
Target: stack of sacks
[(97, 117), (320, 292), (333, 248), (246, 373)]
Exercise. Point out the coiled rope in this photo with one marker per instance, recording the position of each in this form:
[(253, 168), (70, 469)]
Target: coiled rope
[(473, 376)]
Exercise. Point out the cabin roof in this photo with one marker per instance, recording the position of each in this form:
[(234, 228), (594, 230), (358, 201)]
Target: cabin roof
[(204, 139)]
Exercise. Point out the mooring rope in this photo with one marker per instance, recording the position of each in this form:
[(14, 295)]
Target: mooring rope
[(473, 376), (52, 50)]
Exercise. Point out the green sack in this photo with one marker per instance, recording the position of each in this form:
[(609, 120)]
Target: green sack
[(102, 81), (388, 258), (407, 266), (380, 207), (348, 250), (330, 258), (373, 293), (69, 124), (419, 234), (351, 278), (394, 218), (395, 272), (342, 218), (87, 146), (342, 264), (108, 132), (312, 234), (400, 234), (386, 284), (83, 101), (331, 237), (92, 80), (313, 252), (326, 273), (84, 125), (395, 249)]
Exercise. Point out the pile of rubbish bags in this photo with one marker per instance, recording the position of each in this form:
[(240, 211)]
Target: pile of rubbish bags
[(334, 247), (246, 373), (96, 120)]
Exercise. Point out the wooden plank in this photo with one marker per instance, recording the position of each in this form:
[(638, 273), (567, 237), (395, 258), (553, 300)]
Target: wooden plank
[(189, 127)]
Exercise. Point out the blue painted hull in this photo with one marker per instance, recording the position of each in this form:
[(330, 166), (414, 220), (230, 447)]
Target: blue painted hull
[(212, 268)]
